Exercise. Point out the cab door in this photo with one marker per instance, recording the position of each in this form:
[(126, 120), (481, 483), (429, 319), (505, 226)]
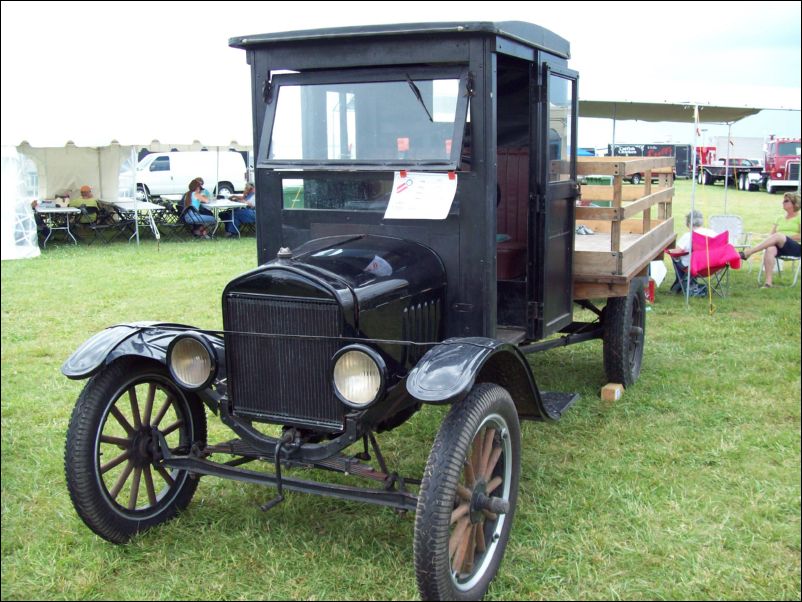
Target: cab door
[(553, 193)]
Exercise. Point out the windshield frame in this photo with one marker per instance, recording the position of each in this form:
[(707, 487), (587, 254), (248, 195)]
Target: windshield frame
[(348, 76)]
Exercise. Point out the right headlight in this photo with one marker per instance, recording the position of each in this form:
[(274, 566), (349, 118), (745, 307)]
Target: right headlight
[(192, 361), (358, 375)]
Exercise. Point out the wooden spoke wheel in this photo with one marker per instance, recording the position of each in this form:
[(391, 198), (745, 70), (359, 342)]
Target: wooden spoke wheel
[(467, 498), (112, 460)]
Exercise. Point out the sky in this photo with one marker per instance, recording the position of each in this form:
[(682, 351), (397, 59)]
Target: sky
[(139, 71)]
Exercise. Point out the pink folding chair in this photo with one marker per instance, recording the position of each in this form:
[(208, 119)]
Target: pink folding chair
[(711, 258)]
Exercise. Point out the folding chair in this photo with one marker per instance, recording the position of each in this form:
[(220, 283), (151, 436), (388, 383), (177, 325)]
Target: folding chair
[(697, 289), (735, 226), (97, 220), (778, 267), (711, 258)]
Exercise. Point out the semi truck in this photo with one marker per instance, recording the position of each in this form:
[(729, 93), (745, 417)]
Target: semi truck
[(680, 152), (781, 164)]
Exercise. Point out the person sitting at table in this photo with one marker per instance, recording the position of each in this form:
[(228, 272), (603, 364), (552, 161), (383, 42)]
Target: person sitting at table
[(205, 191), (88, 201), (192, 215), (241, 215)]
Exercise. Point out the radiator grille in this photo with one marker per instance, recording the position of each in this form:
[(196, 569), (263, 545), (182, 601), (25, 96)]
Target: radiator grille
[(793, 171), (277, 379)]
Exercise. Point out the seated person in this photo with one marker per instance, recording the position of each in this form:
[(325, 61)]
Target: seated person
[(242, 215), (88, 200), (192, 215), (681, 254), (783, 240)]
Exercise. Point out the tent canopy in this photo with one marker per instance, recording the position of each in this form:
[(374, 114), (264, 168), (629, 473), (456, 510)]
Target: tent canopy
[(662, 111), (108, 169)]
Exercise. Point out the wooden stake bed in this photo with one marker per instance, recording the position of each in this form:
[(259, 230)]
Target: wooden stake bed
[(626, 235)]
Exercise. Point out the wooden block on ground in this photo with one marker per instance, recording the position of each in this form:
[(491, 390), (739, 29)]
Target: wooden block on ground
[(612, 392)]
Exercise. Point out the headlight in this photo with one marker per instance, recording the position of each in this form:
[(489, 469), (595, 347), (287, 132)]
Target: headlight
[(358, 375), (191, 360)]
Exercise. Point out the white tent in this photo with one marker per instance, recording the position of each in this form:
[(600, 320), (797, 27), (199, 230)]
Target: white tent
[(18, 226), (43, 172)]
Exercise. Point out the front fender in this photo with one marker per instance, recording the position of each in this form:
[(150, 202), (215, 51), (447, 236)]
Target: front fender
[(144, 339), (449, 371)]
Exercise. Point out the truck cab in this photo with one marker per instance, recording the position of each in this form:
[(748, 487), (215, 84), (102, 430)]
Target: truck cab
[(781, 165), (337, 125)]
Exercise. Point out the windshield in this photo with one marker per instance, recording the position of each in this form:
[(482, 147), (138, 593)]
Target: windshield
[(405, 118), (788, 148)]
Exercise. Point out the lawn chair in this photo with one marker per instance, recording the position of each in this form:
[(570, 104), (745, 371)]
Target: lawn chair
[(696, 289), (712, 258), (733, 224), (171, 221), (778, 267), (97, 220)]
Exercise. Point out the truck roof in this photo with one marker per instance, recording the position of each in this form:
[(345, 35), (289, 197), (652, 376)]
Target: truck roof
[(518, 31)]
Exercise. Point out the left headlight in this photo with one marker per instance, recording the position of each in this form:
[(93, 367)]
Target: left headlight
[(192, 361), (358, 375)]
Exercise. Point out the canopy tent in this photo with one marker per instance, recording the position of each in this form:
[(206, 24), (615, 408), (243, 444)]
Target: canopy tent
[(43, 172), (662, 111), (18, 227), (109, 169)]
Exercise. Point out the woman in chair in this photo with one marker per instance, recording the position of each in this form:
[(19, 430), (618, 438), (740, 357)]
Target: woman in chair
[(191, 213), (783, 240)]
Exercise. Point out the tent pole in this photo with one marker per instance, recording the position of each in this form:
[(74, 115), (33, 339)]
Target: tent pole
[(727, 167), (693, 203), (612, 146)]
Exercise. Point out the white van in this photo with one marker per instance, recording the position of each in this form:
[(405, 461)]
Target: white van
[(223, 173)]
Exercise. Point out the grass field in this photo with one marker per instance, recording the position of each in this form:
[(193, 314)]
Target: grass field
[(687, 488)]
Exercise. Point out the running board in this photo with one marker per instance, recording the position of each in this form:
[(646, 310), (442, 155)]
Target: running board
[(555, 402)]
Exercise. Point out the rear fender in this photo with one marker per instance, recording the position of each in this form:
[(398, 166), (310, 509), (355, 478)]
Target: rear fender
[(143, 339), (449, 371)]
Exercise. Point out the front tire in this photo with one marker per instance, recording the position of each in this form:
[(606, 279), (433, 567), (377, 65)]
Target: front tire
[(467, 497), (624, 335), (115, 479)]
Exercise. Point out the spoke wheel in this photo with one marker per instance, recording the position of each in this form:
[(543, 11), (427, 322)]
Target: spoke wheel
[(467, 499), (112, 459), (624, 335)]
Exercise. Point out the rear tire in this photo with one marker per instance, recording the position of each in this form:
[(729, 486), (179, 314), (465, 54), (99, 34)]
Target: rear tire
[(117, 416), (636, 179), (624, 334), (459, 543)]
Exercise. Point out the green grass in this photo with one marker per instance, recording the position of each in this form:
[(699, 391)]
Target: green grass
[(687, 488)]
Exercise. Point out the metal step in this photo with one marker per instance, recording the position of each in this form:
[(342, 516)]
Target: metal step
[(556, 402)]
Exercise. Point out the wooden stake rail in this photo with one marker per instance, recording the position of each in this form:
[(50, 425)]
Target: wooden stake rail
[(621, 248)]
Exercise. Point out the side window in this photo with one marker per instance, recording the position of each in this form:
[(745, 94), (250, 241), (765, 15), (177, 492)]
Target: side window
[(561, 96), (160, 164)]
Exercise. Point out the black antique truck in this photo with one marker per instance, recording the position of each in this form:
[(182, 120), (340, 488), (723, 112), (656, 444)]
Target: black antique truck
[(417, 241)]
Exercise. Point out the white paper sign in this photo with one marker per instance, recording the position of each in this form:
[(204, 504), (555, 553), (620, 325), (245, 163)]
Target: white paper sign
[(419, 195)]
